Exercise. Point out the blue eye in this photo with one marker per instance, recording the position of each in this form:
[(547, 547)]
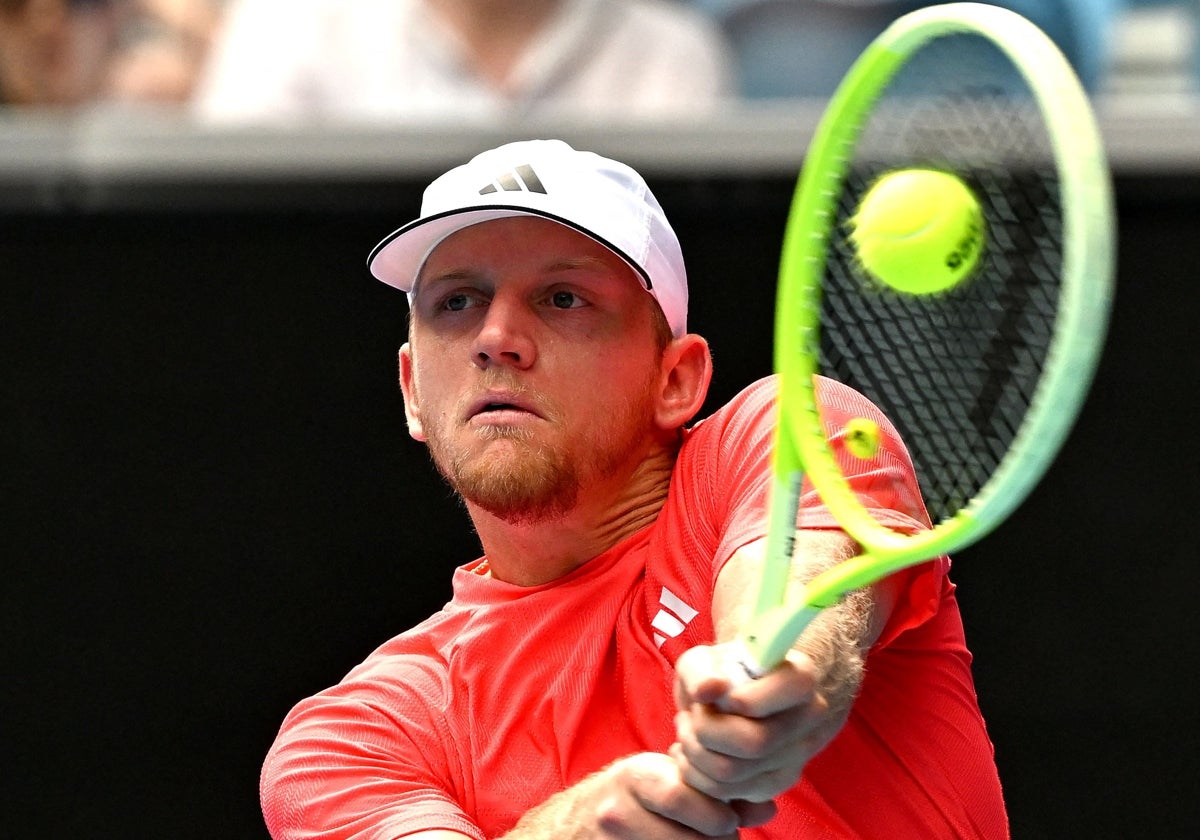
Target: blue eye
[(457, 303), (565, 300)]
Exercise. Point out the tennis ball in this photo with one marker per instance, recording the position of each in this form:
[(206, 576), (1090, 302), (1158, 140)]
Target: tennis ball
[(918, 231)]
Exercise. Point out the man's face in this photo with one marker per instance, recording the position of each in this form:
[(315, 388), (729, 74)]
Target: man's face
[(532, 366)]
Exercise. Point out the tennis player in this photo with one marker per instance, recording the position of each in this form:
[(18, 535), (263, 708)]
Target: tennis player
[(576, 684)]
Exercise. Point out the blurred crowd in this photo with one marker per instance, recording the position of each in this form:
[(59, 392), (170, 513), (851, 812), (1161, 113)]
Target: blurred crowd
[(247, 60), (273, 60), (66, 53)]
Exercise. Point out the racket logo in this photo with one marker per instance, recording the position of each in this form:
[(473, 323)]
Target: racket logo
[(964, 253), (1021, 300)]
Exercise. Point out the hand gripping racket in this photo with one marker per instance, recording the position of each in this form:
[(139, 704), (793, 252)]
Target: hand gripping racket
[(983, 381)]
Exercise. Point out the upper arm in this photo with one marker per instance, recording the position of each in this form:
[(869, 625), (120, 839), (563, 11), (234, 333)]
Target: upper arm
[(816, 550), (365, 759)]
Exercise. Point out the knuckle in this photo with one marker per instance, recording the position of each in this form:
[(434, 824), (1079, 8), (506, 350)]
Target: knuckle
[(723, 769), (611, 817), (757, 741)]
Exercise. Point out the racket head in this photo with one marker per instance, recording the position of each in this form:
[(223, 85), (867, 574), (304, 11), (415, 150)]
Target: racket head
[(983, 381)]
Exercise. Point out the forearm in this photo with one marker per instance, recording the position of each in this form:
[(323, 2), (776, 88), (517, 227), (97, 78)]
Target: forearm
[(639, 796), (563, 814), (839, 638), (837, 642)]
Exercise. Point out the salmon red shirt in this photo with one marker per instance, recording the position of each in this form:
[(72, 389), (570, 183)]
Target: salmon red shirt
[(510, 694)]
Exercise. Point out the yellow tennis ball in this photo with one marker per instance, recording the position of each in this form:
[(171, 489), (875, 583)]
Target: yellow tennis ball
[(918, 231)]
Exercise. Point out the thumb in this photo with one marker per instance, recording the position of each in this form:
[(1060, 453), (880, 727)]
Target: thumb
[(707, 674)]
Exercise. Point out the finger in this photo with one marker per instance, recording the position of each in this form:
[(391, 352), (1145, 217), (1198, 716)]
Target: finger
[(656, 783), (759, 787), (793, 684), (704, 730), (700, 677), (789, 755)]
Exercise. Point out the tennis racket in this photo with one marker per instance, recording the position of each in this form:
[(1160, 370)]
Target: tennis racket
[(983, 381)]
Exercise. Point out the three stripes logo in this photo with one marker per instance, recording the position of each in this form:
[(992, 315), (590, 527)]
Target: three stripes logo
[(521, 179), (673, 617)]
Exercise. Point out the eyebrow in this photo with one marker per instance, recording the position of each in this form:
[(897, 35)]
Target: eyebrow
[(557, 265), (445, 276), (575, 263)]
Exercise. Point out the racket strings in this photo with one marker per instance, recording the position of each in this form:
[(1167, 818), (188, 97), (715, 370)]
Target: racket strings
[(956, 372)]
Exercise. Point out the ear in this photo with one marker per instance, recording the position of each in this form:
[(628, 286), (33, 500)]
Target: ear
[(686, 372), (412, 409)]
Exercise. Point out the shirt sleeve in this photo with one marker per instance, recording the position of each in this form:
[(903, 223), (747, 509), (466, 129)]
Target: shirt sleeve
[(885, 484), (365, 760), (724, 473)]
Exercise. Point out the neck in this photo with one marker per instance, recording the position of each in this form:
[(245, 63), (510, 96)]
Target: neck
[(530, 553), (495, 32)]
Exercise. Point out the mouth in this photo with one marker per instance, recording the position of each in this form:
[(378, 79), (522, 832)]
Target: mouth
[(498, 406)]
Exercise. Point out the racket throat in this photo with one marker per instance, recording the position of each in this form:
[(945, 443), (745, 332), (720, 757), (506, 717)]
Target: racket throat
[(768, 638)]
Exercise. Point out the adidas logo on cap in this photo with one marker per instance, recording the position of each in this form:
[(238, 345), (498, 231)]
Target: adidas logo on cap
[(519, 179)]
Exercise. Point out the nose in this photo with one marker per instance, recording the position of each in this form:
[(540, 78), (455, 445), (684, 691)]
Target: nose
[(505, 336)]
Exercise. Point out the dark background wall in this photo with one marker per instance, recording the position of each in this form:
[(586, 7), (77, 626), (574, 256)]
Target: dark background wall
[(211, 508)]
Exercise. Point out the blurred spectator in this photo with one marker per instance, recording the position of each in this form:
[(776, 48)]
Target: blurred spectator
[(164, 45), (801, 48), (54, 52), (414, 59)]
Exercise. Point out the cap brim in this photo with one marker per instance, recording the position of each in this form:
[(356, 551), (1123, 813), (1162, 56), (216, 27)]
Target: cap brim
[(398, 259)]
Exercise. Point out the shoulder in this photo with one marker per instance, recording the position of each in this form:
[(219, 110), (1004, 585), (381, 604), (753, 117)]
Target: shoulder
[(753, 404), (756, 402), (836, 399), (725, 455), (733, 431)]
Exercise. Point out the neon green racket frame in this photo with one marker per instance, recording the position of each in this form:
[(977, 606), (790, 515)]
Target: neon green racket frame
[(1084, 300)]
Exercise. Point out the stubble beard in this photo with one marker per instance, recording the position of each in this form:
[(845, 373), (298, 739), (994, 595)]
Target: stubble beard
[(523, 484), (526, 482)]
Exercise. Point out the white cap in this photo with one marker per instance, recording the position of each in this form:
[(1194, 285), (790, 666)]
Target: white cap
[(601, 198)]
